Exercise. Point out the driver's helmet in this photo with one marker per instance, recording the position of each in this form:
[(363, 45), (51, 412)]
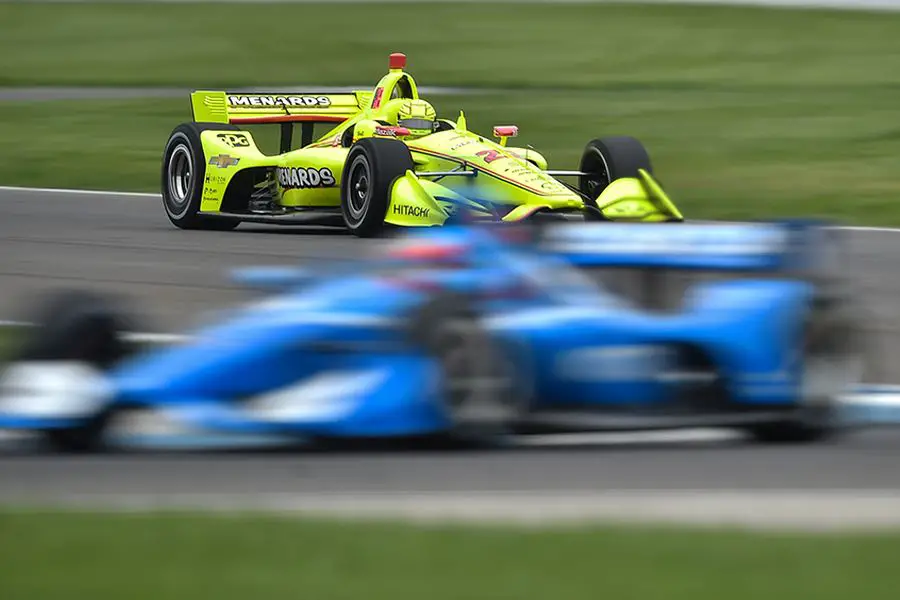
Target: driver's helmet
[(418, 116)]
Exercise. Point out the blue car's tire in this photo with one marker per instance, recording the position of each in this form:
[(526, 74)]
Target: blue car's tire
[(182, 176), (832, 361), (479, 390), (372, 166), (80, 327), (76, 325)]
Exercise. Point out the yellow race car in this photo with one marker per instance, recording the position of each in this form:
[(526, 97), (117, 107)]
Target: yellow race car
[(385, 159)]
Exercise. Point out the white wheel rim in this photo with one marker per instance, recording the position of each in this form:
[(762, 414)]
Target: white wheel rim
[(179, 180), (359, 188)]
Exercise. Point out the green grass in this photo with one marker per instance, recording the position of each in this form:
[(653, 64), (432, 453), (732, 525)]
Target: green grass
[(598, 46), (155, 557), (10, 336), (747, 112), (721, 154)]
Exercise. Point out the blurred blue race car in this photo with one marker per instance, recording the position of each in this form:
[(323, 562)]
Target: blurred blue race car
[(477, 333)]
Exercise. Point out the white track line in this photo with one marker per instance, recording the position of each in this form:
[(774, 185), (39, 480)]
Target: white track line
[(862, 228), (613, 438), (10, 188), (798, 510), (14, 324), (139, 337), (79, 192)]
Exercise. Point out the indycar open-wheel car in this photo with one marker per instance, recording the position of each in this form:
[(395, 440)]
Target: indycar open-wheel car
[(478, 332), (385, 158)]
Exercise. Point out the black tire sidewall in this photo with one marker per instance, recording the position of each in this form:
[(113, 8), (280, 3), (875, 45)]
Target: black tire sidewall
[(189, 217), (189, 138), (79, 326), (619, 156), (385, 161), (354, 158)]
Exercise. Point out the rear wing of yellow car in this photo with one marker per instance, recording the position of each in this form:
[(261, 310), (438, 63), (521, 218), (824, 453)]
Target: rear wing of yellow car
[(281, 108)]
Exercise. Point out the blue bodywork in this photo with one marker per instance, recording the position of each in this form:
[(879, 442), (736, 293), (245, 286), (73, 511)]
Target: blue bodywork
[(329, 354)]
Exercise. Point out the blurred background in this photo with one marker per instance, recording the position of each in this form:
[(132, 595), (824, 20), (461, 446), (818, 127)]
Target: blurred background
[(749, 112)]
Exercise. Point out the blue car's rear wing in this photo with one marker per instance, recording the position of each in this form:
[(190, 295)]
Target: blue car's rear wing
[(772, 247)]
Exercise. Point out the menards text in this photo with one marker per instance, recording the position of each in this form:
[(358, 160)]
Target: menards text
[(301, 101)]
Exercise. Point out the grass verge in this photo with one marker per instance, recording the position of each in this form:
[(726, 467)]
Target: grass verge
[(10, 335), (601, 45), (721, 154), (158, 556)]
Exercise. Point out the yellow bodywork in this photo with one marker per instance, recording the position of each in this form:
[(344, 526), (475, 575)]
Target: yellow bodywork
[(500, 182), (640, 199)]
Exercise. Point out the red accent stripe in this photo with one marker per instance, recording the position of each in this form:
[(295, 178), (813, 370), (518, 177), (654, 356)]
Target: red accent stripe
[(376, 102), (289, 119), (484, 170)]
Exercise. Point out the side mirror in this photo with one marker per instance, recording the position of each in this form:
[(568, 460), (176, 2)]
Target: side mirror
[(505, 131)]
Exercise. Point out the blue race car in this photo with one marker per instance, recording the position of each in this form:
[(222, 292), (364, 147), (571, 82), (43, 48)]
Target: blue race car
[(476, 333)]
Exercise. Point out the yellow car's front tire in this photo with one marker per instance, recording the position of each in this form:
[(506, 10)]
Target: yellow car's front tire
[(608, 159), (372, 166), (183, 170)]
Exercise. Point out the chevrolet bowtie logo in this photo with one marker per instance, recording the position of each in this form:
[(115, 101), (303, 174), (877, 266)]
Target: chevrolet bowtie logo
[(223, 161)]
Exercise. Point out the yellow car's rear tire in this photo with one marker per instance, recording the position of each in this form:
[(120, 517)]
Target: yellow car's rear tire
[(608, 159), (183, 171), (372, 166)]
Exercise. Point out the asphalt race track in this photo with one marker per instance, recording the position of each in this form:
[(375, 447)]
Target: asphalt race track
[(125, 245), (850, 484), (862, 460)]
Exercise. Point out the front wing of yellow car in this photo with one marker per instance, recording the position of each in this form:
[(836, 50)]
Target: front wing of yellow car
[(421, 199)]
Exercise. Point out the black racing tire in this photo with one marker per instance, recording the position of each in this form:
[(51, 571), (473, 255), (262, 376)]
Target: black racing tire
[(80, 327), (608, 159), (372, 166), (182, 175), (481, 397), (77, 325), (832, 349)]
